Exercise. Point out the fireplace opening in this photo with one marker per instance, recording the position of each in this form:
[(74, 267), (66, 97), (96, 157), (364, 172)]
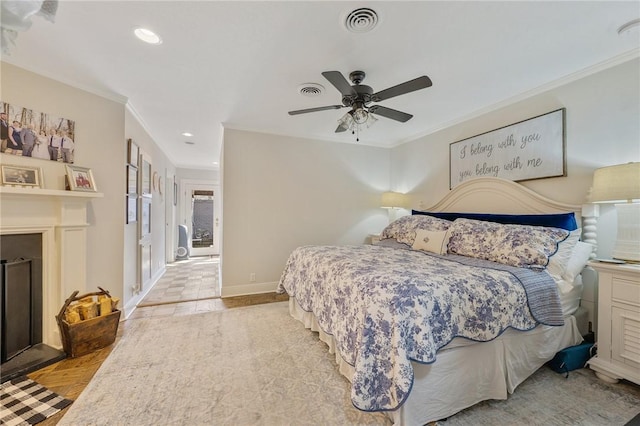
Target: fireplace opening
[(21, 312)]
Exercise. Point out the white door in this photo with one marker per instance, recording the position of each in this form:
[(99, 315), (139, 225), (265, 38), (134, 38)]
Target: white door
[(201, 207)]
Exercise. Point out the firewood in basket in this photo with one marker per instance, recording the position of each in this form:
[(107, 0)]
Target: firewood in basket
[(88, 310), (114, 303), (105, 306), (72, 316)]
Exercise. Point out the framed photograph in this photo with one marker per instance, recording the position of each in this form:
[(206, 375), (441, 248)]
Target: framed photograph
[(80, 179), (133, 153), (132, 180), (132, 209), (21, 176), (526, 150), (56, 135)]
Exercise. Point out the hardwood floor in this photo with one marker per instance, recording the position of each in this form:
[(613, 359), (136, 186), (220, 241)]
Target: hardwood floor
[(70, 376)]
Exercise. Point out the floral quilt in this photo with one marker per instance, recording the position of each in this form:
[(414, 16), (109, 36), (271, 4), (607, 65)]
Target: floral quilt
[(386, 307)]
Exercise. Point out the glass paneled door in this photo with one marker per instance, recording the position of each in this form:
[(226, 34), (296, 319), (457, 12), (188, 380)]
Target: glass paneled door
[(202, 219)]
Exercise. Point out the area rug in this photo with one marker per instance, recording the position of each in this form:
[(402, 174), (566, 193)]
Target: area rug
[(258, 366), (25, 402)]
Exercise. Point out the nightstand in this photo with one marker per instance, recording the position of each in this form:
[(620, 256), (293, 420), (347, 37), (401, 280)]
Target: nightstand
[(618, 322)]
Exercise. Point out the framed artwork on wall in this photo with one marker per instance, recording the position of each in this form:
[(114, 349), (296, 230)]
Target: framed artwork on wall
[(132, 209), (145, 220), (146, 178), (38, 134), (133, 153), (526, 150), (132, 180)]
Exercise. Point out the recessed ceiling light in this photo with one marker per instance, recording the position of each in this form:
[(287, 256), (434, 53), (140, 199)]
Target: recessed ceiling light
[(215, 163), (147, 36), (187, 134), (629, 27)]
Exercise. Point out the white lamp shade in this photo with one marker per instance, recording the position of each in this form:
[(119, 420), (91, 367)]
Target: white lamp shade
[(615, 184), (393, 199)]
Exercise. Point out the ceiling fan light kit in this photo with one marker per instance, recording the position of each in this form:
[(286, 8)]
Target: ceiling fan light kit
[(358, 97)]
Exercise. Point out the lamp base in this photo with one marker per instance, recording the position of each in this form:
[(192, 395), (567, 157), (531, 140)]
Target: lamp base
[(627, 245)]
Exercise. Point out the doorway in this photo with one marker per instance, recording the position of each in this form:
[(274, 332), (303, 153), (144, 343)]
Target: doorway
[(201, 216)]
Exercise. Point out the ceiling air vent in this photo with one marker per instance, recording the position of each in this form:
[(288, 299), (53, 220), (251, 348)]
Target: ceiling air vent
[(310, 89), (361, 20)]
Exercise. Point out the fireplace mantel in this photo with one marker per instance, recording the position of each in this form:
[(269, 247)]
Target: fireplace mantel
[(61, 217)]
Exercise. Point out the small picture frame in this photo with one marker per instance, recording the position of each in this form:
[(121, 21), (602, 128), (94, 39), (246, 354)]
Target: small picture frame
[(132, 209), (146, 178), (133, 153), (80, 179), (132, 180), (14, 175)]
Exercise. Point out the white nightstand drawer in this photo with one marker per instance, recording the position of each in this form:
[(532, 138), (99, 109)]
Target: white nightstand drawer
[(625, 291)]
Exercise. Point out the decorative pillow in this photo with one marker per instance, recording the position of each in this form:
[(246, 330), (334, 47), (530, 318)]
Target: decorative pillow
[(560, 259), (404, 229), (579, 258), (555, 220), (432, 241), (522, 246)]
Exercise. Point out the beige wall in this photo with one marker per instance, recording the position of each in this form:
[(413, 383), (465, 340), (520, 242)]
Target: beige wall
[(602, 128), (99, 132), (281, 192)]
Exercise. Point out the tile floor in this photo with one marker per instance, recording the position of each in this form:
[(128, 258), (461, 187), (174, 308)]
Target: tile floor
[(193, 279)]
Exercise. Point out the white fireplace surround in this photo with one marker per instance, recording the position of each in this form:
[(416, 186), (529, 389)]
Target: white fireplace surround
[(61, 218)]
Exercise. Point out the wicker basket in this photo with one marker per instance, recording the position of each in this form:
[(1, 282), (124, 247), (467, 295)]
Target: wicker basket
[(89, 335)]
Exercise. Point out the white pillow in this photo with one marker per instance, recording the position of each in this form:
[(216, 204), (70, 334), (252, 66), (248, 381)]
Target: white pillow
[(579, 258), (432, 241), (558, 262)]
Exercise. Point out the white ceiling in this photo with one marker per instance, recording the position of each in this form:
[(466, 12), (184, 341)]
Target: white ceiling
[(238, 64)]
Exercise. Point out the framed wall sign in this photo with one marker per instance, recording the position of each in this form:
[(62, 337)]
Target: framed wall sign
[(530, 149)]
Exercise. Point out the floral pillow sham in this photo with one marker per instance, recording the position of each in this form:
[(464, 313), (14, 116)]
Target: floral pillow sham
[(404, 229), (522, 246)]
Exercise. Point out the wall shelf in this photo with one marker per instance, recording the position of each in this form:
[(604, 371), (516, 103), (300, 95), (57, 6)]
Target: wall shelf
[(38, 192)]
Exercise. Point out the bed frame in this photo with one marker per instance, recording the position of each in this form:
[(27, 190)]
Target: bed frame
[(482, 195), (479, 370)]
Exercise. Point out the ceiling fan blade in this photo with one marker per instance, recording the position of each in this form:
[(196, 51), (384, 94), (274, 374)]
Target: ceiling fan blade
[(324, 108), (341, 129), (337, 79), (402, 88), (390, 113)]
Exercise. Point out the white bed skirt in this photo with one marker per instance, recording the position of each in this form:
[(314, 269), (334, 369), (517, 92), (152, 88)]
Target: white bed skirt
[(465, 372)]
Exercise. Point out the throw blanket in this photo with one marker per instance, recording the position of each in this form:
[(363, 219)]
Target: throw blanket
[(385, 307)]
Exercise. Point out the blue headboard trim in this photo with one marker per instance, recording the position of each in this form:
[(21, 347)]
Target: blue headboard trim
[(556, 220)]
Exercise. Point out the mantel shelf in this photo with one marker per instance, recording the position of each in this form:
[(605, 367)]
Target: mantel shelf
[(37, 192)]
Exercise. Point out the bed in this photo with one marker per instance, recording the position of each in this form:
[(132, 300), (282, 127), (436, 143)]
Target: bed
[(445, 311)]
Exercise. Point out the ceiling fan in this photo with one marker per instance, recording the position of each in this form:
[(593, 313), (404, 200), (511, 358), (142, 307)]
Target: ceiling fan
[(359, 97)]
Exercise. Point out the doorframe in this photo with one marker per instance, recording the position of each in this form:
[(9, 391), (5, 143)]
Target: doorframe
[(186, 185)]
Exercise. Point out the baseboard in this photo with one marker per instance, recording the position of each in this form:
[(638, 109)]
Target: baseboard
[(133, 303), (248, 289)]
